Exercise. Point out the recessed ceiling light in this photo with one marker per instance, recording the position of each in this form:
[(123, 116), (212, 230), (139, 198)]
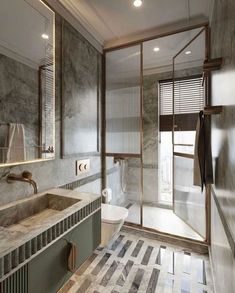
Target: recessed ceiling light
[(45, 36), (137, 3), (188, 52), (156, 49)]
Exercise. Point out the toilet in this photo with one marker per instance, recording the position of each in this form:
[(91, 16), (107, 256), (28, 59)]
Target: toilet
[(113, 218)]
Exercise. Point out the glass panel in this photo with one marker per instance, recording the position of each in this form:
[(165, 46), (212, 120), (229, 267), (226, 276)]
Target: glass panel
[(188, 94), (189, 201), (123, 101), (165, 167), (124, 178)]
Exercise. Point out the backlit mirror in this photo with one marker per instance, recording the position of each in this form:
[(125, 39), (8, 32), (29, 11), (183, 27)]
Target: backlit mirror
[(26, 82)]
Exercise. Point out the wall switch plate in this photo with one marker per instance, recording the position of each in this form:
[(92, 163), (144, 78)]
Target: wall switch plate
[(82, 166)]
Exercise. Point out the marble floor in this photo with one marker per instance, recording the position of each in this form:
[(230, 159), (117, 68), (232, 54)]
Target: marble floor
[(132, 263), (161, 219)]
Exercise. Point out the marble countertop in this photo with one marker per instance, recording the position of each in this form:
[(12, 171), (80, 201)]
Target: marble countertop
[(13, 236)]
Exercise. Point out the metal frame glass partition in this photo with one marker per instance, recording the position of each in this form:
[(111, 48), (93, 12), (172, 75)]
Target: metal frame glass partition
[(123, 124)]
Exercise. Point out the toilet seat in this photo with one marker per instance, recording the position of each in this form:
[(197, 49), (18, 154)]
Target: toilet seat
[(113, 214)]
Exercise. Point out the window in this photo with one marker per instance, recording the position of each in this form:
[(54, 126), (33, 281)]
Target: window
[(189, 100)]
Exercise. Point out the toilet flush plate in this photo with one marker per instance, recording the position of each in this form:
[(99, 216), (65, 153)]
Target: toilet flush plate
[(82, 166)]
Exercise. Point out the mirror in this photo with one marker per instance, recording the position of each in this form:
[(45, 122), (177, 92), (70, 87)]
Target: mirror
[(27, 110)]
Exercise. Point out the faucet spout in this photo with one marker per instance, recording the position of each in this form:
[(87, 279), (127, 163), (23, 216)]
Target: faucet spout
[(24, 177)]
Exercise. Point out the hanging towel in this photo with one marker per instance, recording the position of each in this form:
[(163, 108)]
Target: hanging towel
[(15, 143), (203, 173)]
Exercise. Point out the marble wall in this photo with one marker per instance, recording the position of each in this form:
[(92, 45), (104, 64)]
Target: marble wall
[(223, 141), (55, 172), (19, 101), (80, 93)]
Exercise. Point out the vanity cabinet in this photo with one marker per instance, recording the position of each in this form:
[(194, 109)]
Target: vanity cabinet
[(49, 270)]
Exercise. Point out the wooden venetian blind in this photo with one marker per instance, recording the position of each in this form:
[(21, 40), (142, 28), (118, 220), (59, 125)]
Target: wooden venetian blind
[(189, 99)]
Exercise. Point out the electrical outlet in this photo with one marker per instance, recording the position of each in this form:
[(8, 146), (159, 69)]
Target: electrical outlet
[(82, 166)]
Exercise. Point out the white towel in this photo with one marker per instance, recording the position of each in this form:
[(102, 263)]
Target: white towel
[(15, 143)]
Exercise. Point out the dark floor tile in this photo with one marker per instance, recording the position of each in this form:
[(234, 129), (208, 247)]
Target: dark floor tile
[(160, 255), (117, 242), (124, 248), (147, 255), (109, 273), (125, 272), (84, 286), (128, 205), (137, 281), (101, 263), (137, 248), (153, 281), (86, 264)]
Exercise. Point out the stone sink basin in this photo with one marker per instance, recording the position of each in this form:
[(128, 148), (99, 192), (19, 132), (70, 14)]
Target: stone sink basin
[(34, 209)]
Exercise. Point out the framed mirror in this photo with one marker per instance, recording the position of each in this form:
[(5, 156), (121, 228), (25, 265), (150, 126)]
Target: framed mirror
[(27, 95)]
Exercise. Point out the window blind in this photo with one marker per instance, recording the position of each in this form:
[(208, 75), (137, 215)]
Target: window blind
[(189, 96)]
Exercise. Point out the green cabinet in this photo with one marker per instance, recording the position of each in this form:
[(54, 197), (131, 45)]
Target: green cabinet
[(49, 270)]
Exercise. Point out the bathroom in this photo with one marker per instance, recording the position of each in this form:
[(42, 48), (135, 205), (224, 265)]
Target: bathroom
[(89, 94)]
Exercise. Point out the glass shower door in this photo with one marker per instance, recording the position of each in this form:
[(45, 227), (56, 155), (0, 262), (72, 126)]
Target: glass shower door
[(189, 202), (123, 129)]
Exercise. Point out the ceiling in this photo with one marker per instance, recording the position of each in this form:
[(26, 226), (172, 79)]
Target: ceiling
[(123, 66), (22, 22), (113, 19)]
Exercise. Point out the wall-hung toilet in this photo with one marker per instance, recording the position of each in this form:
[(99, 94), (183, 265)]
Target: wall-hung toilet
[(113, 218)]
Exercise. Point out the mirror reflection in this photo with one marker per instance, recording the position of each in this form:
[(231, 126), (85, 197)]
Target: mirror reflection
[(26, 81)]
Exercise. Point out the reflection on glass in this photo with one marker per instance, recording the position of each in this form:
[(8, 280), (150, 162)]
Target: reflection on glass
[(160, 255), (124, 178), (201, 271), (27, 81), (123, 101), (185, 286), (187, 263), (169, 285), (171, 268)]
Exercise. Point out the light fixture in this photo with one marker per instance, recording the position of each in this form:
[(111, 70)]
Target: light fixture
[(137, 3), (188, 52), (156, 49), (45, 36)]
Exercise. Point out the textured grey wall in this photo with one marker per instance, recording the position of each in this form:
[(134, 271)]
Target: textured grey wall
[(19, 100), (223, 143), (56, 172), (80, 84)]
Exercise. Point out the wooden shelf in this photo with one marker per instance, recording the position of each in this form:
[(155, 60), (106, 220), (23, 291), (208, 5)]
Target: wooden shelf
[(212, 64), (213, 110)]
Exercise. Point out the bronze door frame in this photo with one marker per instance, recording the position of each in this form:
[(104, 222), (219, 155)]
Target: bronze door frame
[(205, 27)]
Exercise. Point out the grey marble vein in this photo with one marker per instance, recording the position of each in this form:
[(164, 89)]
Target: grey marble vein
[(153, 281), (124, 248), (125, 272), (147, 255), (101, 263), (136, 283), (117, 242), (137, 248), (108, 275)]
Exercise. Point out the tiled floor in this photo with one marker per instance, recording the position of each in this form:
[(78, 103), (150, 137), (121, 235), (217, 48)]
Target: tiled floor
[(137, 264), (161, 219)]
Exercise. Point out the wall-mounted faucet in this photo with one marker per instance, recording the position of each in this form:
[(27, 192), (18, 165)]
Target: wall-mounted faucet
[(26, 176)]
